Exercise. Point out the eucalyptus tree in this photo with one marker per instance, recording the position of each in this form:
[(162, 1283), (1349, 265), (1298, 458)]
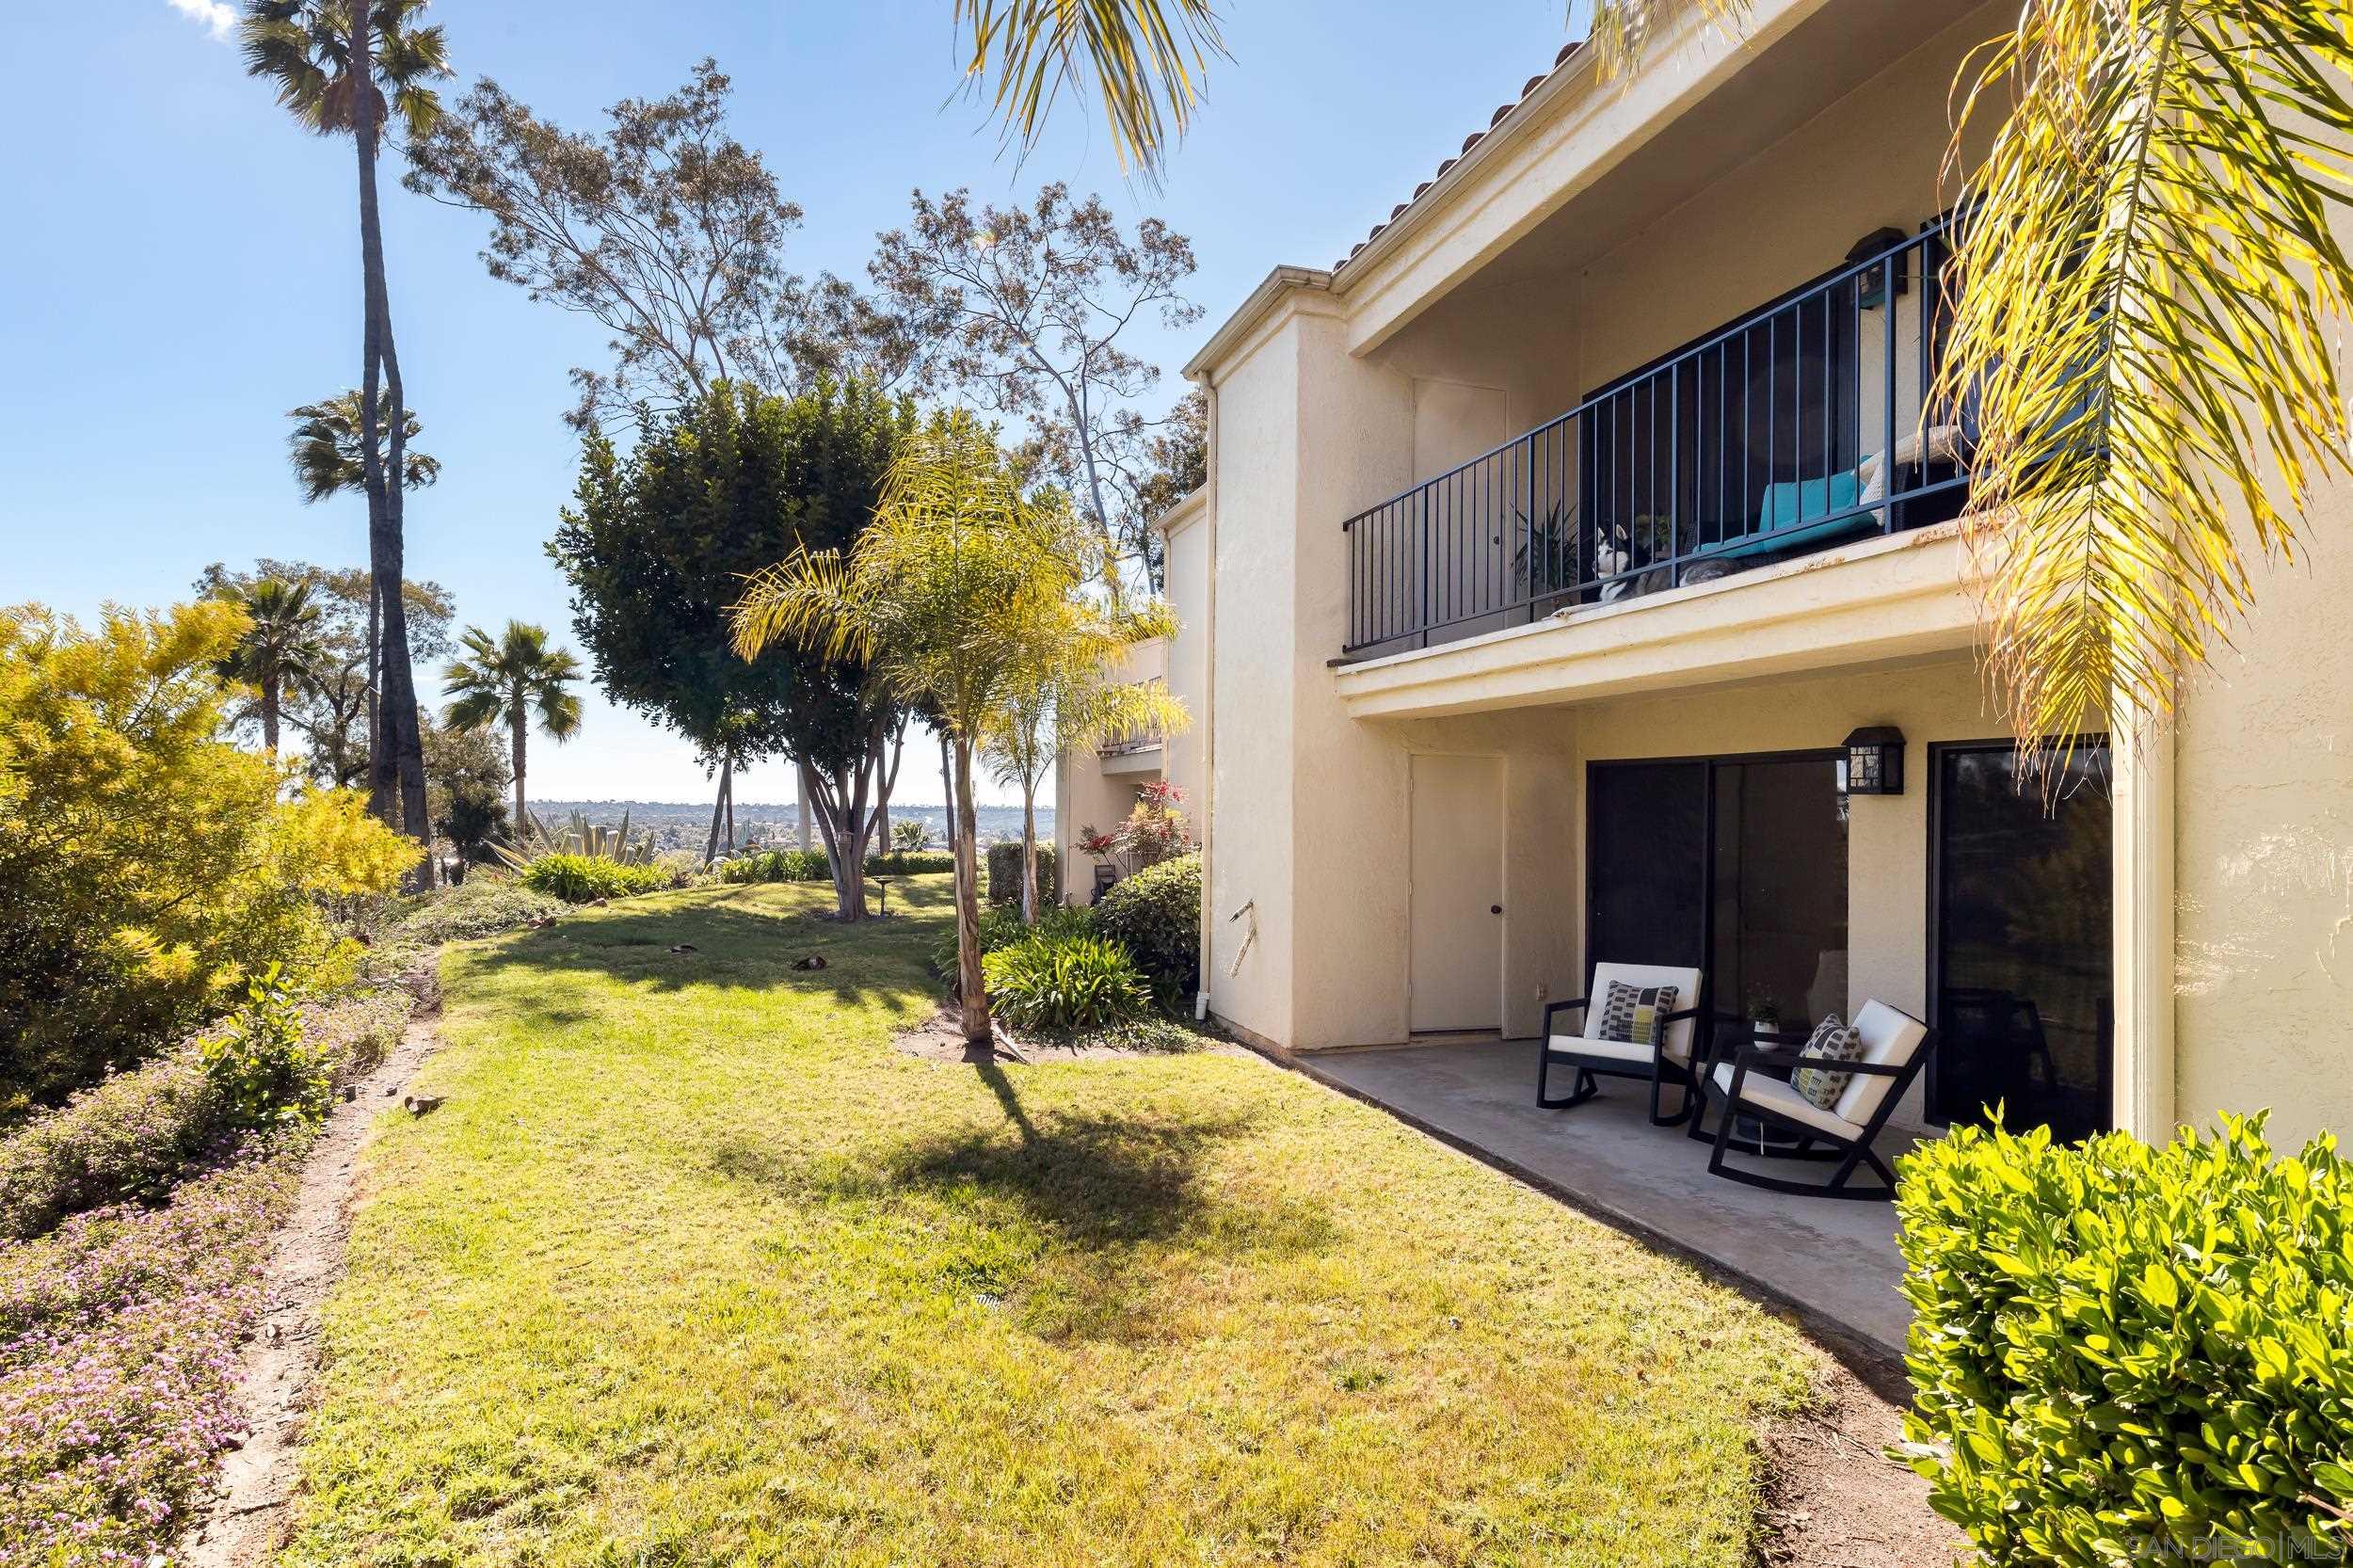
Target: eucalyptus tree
[(343, 68), (282, 646), (666, 232), (512, 680), (940, 599), (1023, 310)]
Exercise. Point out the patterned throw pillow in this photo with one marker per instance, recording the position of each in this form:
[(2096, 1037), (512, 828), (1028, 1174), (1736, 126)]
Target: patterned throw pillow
[(1838, 1041), (1636, 1013)]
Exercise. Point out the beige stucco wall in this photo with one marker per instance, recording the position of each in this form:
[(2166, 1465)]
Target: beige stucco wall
[(1091, 790), (2264, 854), (1187, 590)]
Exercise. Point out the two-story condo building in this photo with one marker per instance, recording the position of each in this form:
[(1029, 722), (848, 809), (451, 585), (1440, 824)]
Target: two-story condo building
[(1573, 547)]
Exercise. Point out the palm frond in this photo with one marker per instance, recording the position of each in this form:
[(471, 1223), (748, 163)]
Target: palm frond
[(2141, 303), (1621, 31), (1147, 61)]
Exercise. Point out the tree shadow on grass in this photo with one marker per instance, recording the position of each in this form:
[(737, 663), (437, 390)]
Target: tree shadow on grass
[(1095, 1220), (735, 943)]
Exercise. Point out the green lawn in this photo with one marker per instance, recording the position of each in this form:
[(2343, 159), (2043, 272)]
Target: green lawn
[(694, 1268)]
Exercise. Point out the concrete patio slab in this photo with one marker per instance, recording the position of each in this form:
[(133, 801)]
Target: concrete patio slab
[(1834, 1262)]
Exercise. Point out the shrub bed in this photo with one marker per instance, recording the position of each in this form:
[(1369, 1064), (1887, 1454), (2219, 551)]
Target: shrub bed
[(130, 1138), (1066, 981), (584, 878), (1156, 915), (1004, 874), (482, 905), (118, 1357), (810, 865), (2126, 1354)]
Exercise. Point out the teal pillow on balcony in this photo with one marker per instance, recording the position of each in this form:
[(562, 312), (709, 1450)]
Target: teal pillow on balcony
[(1788, 504)]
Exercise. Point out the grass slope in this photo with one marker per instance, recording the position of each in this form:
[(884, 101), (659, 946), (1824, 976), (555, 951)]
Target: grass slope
[(693, 1268)]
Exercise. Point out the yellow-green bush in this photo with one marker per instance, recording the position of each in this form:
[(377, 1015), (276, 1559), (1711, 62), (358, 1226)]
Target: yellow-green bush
[(2123, 1353), (580, 878), (148, 867)]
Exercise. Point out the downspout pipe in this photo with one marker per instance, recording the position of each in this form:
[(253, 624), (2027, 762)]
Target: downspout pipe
[(1208, 712)]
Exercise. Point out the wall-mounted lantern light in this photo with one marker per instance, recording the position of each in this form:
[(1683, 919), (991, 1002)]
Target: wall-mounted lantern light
[(1874, 761)]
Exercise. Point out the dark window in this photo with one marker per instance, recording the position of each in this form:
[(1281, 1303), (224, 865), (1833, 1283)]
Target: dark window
[(2021, 968)]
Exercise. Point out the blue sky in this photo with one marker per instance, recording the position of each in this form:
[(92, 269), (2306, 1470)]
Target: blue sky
[(181, 260)]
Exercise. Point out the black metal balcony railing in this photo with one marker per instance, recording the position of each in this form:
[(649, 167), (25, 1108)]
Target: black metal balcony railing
[(1795, 428)]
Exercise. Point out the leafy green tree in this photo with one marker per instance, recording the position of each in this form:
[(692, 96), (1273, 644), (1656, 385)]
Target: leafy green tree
[(340, 67), (148, 869), (657, 545), (282, 647), (468, 779), (941, 598), (510, 681)]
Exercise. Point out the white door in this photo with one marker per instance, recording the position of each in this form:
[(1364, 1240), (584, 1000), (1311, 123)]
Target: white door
[(1457, 868)]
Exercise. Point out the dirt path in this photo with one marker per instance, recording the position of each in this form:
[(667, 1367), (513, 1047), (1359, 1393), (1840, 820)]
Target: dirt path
[(246, 1519), (1832, 1498)]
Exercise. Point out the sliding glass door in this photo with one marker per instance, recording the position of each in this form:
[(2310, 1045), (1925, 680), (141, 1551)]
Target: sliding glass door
[(2019, 967), (1736, 864)]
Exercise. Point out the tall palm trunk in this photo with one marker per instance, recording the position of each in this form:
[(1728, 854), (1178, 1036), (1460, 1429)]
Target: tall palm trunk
[(269, 714), (373, 701), (520, 724), (971, 988), (948, 793), (398, 770)]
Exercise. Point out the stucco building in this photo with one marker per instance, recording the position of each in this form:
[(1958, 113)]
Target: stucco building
[(1559, 541)]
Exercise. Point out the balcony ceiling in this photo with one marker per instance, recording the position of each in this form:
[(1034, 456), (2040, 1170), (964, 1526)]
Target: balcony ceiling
[(1791, 81)]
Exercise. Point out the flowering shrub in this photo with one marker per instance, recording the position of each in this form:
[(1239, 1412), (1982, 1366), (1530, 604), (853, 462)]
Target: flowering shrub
[(118, 1339), (146, 868)]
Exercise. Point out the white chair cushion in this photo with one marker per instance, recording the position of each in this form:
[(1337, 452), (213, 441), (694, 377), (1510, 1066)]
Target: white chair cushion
[(1643, 976), (1615, 1051), (1890, 1037), (1772, 1093)]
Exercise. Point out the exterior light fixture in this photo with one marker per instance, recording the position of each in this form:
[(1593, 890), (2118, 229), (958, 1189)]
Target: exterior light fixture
[(1874, 761)]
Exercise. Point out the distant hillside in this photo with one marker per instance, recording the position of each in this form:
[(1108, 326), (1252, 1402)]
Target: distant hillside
[(685, 825)]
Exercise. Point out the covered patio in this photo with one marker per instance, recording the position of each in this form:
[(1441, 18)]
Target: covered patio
[(1835, 1263)]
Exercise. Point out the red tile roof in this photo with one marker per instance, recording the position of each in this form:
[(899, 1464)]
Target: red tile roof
[(1503, 112)]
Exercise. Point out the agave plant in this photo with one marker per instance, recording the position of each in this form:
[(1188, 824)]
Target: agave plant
[(580, 836)]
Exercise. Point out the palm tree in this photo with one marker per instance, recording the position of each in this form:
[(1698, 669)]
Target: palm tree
[(1144, 56), (282, 646), (2145, 300), (339, 66), (505, 682), (326, 453), (1061, 701), (941, 598)]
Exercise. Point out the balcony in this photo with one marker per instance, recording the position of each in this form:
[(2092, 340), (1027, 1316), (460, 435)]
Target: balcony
[(1765, 440)]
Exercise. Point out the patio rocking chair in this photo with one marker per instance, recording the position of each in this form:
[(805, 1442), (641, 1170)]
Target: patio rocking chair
[(1896, 1046), (1591, 1054)]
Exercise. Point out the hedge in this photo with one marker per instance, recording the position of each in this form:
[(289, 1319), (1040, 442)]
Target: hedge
[(1004, 873), (2127, 1353), (810, 865)]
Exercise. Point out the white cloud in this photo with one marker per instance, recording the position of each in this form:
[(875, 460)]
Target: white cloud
[(216, 15)]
